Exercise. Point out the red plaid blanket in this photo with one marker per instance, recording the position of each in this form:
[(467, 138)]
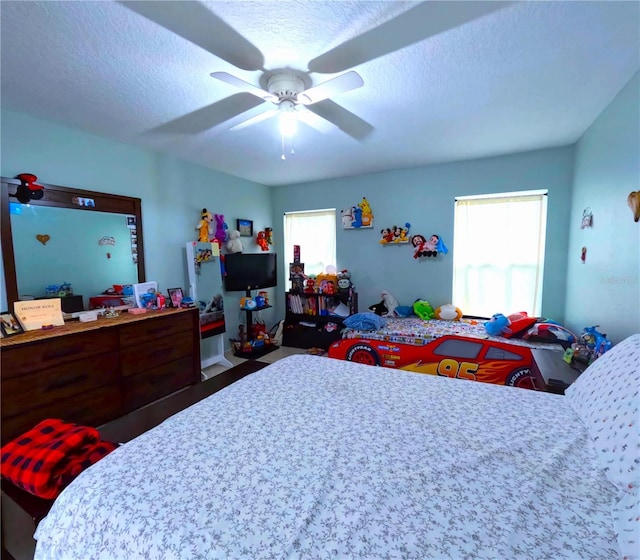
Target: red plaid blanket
[(44, 460)]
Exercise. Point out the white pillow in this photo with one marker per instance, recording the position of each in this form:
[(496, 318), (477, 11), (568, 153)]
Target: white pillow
[(606, 397)]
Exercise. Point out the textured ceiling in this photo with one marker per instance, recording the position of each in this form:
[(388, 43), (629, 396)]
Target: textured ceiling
[(527, 75)]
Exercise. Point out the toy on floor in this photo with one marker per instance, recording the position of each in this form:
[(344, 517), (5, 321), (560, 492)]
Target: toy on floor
[(203, 225), (234, 244), (448, 312), (498, 325), (422, 308)]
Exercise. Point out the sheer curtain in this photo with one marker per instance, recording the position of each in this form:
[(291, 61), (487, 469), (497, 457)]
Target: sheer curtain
[(498, 260), (315, 232)]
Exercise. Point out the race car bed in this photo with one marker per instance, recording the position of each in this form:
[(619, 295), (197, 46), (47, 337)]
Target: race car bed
[(460, 349)]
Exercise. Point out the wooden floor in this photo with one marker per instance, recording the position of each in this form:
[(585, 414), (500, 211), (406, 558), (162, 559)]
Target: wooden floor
[(124, 429)]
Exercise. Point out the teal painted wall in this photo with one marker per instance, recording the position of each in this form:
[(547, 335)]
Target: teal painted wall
[(605, 290), (173, 192), (424, 197)]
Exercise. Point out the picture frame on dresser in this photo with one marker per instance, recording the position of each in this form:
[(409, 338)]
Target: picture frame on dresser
[(175, 296), (9, 324)]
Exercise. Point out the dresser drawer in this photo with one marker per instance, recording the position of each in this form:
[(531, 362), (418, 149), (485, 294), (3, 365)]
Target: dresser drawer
[(158, 382), (156, 352), (145, 332), (18, 360), (40, 388), (92, 408)]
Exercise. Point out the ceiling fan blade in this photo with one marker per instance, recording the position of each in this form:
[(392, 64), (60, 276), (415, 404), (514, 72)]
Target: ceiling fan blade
[(211, 115), (254, 120), (314, 121), (339, 84), (346, 121), (245, 86), (194, 22), (416, 24)]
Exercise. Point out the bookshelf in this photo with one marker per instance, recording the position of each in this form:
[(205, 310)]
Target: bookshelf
[(310, 319)]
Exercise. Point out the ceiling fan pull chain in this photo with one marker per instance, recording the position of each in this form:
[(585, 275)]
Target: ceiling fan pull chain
[(282, 157)]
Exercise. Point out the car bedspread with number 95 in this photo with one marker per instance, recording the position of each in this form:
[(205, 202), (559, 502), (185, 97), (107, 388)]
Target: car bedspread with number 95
[(485, 360)]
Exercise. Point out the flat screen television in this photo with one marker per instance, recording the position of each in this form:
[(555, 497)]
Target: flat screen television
[(250, 271)]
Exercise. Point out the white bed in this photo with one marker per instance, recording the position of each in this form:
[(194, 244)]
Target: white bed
[(314, 458)]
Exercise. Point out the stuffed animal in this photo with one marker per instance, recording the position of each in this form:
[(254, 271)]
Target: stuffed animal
[(422, 308), (234, 244), (203, 225), (221, 228), (357, 217), (448, 312), (498, 325), (261, 240), (269, 235), (390, 302), (379, 308)]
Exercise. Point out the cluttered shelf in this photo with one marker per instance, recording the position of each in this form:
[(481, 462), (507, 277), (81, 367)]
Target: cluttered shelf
[(315, 319)]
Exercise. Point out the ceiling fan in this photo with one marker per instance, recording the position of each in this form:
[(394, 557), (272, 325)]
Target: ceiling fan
[(291, 91)]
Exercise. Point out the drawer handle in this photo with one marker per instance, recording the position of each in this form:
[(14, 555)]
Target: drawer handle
[(62, 353), (66, 382)]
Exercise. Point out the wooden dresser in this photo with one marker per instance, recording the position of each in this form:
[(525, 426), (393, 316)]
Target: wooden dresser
[(91, 373)]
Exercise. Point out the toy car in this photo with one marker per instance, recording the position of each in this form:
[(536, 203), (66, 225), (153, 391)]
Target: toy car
[(461, 357)]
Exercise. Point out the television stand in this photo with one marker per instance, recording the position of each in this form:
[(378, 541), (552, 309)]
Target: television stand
[(254, 347)]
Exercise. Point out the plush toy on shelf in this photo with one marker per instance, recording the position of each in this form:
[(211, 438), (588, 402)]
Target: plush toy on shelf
[(203, 225), (234, 244), (221, 228), (261, 240)]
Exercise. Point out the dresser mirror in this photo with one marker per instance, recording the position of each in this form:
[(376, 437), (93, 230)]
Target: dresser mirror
[(68, 241)]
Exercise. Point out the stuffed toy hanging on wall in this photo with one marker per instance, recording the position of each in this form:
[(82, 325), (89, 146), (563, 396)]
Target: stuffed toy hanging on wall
[(203, 225)]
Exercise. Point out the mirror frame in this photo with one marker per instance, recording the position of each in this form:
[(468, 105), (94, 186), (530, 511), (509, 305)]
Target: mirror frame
[(61, 197)]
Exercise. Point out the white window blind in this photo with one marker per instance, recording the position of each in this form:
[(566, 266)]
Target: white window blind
[(498, 259), (315, 232)]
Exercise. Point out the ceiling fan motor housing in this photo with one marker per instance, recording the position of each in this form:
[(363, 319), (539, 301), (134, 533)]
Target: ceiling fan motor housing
[(285, 86)]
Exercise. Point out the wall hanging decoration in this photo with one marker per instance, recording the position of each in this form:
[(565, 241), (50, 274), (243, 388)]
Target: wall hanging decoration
[(583, 255), (427, 247), (587, 218), (245, 227), (633, 200), (395, 235), (357, 217), (261, 240), (43, 238), (269, 234)]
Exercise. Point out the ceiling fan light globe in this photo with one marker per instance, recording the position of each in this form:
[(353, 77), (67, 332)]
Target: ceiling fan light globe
[(288, 124)]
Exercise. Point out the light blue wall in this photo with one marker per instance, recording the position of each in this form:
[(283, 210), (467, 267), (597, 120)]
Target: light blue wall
[(173, 191), (605, 290), (424, 197)]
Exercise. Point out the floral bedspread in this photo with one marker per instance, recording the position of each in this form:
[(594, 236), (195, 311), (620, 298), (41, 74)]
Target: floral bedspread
[(314, 458)]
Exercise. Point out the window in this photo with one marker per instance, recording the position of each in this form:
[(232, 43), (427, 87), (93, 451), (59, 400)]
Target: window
[(315, 232), (499, 253)]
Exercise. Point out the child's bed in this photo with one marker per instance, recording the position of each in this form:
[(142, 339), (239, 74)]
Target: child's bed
[(313, 458), (459, 349)]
